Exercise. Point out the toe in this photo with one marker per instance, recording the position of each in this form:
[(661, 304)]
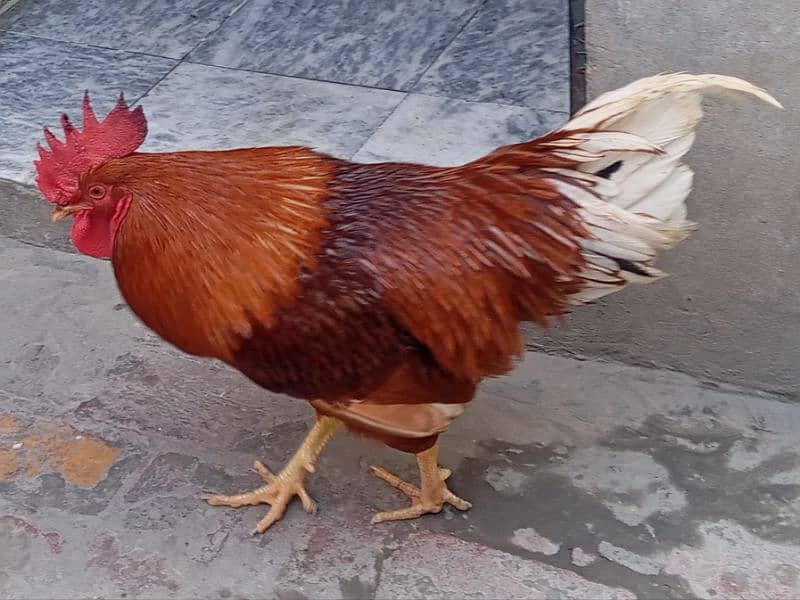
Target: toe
[(259, 496), (410, 512), (408, 489), (260, 468), (307, 501), (263, 495), (274, 515), (459, 503)]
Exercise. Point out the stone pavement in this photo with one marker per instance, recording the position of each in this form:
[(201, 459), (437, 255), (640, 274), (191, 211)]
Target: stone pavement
[(440, 81), (588, 479)]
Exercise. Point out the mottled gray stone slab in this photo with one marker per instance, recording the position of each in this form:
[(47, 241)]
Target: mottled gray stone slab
[(41, 79), (200, 107), (162, 27), (381, 44), (442, 131), (512, 52)]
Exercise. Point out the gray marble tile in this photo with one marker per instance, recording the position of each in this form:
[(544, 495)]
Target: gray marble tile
[(444, 131), (41, 79), (511, 52), (386, 44), (211, 107), (162, 27)]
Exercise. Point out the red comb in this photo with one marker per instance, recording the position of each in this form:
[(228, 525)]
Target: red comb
[(60, 169)]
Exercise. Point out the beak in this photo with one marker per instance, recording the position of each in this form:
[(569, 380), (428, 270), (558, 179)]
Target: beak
[(62, 212)]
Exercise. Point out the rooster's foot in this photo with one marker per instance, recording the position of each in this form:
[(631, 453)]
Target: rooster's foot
[(287, 484), (278, 492), (430, 499)]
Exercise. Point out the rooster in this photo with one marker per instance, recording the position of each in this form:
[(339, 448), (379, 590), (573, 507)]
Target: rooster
[(381, 293)]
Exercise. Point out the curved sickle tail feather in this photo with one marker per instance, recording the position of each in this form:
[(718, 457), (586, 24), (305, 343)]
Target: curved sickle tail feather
[(629, 181)]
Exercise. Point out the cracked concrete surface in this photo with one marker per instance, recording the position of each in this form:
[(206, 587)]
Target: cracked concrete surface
[(588, 479)]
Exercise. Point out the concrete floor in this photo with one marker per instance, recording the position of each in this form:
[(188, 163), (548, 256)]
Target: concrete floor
[(588, 479)]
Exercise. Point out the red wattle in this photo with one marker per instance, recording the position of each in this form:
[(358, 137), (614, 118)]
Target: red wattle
[(93, 231)]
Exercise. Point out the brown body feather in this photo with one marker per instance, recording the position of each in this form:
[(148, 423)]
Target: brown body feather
[(370, 289)]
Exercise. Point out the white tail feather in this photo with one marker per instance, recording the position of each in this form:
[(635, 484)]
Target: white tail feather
[(630, 184)]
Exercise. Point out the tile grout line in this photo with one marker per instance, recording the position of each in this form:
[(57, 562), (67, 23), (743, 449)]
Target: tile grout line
[(160, 79), (413, 84), (183, 58), (95, 46), (298, 77), (85, 45), (215, 31), (370, 87), (405, 93), (381, 124)]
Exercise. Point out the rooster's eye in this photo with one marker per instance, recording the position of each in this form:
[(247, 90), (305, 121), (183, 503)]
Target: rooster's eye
[(97, 191)]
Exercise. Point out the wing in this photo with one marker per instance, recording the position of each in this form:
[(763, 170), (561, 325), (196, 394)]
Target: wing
[(462, 255)]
